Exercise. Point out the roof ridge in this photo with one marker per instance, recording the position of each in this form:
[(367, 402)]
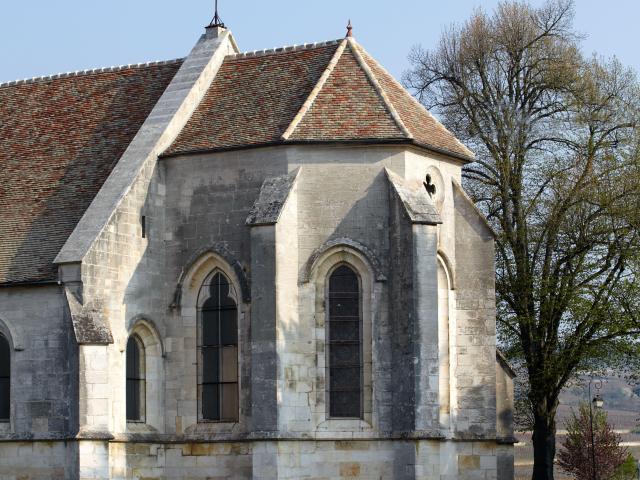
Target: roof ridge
[(91, 71), (284, 49), (378, 88), (420, 105), (315, 91)]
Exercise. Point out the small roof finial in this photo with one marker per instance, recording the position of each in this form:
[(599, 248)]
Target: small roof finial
[(349, 28), (217, 21)]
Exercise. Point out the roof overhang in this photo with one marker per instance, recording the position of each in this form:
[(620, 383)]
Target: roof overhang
[(359, 142)]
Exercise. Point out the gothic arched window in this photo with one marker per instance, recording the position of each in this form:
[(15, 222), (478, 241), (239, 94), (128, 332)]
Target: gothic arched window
[(218, 350), (136, 381), (5, 379), (344, 334)]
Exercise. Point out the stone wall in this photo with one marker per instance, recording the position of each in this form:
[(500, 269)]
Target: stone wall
[(505, 462), (208, 200), (38, 460), (400, 394), (306, 459), (476, 321), (43, 384), (340, 209), (180, 461), (35, 321), (200, 203), (504, 399), (504, 415), (200, 188)]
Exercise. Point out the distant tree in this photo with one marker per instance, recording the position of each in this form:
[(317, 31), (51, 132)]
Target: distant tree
[(627, 471), (557, 174), (575, 455)]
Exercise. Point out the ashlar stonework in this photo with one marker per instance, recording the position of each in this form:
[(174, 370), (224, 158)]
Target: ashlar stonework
[(277, 193)]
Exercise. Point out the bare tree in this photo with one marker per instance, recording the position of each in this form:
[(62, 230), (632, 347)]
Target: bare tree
[(557, 174)]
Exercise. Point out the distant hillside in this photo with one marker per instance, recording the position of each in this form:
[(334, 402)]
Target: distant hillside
[(621, 401)]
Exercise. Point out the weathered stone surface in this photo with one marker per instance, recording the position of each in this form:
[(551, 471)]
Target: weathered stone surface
[(273, 195), (415, 199), (89, 324), (475, 316)]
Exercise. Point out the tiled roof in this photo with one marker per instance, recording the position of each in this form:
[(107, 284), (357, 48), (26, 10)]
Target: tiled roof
[(423, 127), (347, 107), (253, 98), (329, 92), (60, 137)]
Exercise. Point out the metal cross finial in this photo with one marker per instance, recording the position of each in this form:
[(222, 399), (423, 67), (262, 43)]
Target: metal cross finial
[(349, 28), (217, 21)]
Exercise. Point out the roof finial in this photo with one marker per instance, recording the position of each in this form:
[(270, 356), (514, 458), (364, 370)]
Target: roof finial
[(217, 21), (349, 28)]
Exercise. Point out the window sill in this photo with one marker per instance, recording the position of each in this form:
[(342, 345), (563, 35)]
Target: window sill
[(218, 422), (345, 424), (139, 427), (213, 427)]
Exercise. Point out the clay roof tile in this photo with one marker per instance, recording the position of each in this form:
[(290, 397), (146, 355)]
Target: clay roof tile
[(60, 137), (328, 92)]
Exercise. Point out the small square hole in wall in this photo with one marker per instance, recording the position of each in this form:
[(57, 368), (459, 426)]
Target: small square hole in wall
[(143, 224)]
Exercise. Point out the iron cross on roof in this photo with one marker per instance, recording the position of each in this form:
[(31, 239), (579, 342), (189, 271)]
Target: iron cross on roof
[(217, 21)]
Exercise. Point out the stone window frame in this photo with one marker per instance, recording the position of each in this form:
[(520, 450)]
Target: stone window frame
[(237, 299), (153, 349), (6, 424), (327, 366), (141, 379), (322, 268), (5, 344), (199, 267), (446, 349)]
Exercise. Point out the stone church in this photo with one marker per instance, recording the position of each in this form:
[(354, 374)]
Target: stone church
[(243, 265)]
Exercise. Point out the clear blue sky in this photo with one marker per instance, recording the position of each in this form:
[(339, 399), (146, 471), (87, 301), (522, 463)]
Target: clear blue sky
[(45, 37)]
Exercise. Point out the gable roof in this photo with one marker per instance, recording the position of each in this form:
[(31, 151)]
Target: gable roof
[(328, 92), (60, 137)]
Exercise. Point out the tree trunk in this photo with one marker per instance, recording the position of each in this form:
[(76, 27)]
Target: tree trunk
[(544, 445)]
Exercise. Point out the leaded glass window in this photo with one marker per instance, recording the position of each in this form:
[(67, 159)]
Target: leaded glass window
[(136, 381), (5, 379), (344, 344), (218, 350)]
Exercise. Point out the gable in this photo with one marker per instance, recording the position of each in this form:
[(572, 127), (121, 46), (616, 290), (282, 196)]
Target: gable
[(60, 137)]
